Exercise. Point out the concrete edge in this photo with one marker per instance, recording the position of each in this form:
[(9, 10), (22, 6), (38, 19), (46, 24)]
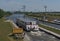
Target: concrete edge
[(50, 32)]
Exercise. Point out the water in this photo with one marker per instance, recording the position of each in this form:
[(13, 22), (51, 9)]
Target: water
[(44, 37), (15, 16), (50, 24), (46, 23), (22, 16)]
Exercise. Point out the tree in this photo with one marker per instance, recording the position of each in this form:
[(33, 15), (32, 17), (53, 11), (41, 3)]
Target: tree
[(3, 13)]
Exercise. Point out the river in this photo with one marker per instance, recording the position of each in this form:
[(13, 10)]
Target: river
[(43, 37), (14, 16)]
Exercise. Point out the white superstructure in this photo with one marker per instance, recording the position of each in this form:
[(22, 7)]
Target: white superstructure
[(32, 26)]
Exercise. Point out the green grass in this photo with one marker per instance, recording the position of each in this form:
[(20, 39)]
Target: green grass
[(5, 29), (51, 29)]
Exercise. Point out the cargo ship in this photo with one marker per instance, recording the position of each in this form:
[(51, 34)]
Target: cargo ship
[(27, 24)]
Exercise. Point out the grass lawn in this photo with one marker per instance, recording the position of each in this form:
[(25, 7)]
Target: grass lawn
[(51, 29), (5, 29)]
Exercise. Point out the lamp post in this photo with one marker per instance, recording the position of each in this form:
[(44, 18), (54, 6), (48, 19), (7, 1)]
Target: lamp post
[(45, 7), (23, 8)]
